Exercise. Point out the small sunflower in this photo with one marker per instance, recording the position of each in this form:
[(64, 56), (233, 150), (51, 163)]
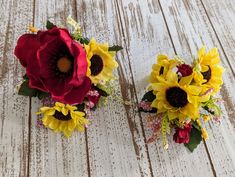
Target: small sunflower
[(161, 68), (63, 118), (177, 99), (209, 72), (101, 62)]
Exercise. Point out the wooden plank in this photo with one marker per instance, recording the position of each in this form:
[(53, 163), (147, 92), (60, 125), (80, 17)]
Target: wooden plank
[(190, 29), (52, 154), (221, 15), (145, 34), (14, 109), (115, 138)]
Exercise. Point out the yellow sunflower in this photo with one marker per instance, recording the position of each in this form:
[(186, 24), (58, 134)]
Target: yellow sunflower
[(101, 62), (63, 118), (208, 72), (177, 99), (161, 68)]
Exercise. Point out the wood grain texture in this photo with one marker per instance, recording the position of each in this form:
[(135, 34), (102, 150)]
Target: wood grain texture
[(14, 110), (190, 29), (146, 35), (52, 154), (221, 16), (114, 144), (115, 139)]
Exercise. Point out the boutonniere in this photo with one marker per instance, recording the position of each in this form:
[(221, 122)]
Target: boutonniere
[(182, 97)]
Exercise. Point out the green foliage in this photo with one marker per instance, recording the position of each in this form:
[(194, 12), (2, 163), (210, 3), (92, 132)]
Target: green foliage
[(165, 129), (31, 92), (103, 91), (149, 96), (115, 48), (195, 138), (84, 40), (211, 107), (50, 25), (80, 107)]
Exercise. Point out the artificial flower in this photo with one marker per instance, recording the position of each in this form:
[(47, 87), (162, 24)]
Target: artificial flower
[(63, 118), (182, 135), (176, 99), (55, 63), (93, 97), (210, 70), (204, 134), (181, 95), (163, 65), (206, 118), (184, 70), (101, 62)]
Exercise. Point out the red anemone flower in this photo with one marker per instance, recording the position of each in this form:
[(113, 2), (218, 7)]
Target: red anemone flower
[(55, 63)]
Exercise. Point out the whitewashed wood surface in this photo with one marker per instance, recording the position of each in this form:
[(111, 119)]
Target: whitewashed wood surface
[(114, 144)]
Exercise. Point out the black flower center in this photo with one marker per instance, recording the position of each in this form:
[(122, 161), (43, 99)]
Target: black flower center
[(176, 97), (207, 75), (161, 70), (60, 116), (96, 65)]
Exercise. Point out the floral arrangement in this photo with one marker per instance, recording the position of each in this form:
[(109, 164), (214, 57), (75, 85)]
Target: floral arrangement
[(70, 73), (181, 97)]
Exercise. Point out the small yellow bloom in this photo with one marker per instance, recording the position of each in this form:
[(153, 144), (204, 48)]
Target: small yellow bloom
[(206, 118), (204, 134), (33, 29), (63, 118), (101, 62)]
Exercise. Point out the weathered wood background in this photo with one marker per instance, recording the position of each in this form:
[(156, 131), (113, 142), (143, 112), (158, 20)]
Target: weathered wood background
[(114, 145)]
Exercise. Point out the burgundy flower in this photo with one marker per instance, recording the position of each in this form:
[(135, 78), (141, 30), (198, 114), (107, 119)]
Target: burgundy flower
[(55, 63), (184, 70), (182, 135), (93, 97)]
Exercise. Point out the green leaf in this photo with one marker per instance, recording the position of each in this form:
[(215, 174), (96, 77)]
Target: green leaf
[(25, 77), (84, 40), (149, 96), (115, 48), (81, 107), (50, 25), (103, 91), (25, 90), (195, 139)]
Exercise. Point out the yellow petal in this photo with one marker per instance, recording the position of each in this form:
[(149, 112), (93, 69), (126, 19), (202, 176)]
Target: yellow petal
[(172, 115), (194, 90), (186, 80), (64, 111), (59, 104)]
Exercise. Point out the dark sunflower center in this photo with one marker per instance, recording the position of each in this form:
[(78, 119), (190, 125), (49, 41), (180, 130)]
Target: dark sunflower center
[(176, 97), (58, 115), (207, 75), (96, 65), (161, 70)]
